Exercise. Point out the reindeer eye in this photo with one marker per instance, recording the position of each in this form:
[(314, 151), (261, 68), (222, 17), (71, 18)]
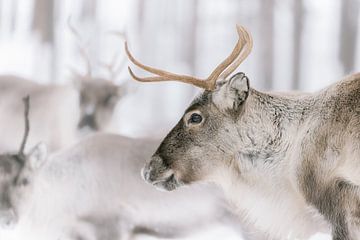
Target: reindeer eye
[(107, 100), (23, 182), (195, 118), (110, 99)]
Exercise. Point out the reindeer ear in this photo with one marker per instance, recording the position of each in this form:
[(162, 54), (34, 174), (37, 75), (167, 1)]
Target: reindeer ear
[(231, 94), (37, 156)]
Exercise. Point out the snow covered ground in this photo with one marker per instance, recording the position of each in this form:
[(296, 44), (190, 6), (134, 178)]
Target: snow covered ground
[(225, 233), (216, 233)]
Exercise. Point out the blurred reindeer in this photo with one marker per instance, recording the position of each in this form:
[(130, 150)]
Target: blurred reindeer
[(98, 96), (17, 171), (59, 112), (287, 162), (55, 113), (93, 191), (87, 192)]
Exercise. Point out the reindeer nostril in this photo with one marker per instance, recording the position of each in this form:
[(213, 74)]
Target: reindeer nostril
[(8, 219), (145, 173), (154, 170)]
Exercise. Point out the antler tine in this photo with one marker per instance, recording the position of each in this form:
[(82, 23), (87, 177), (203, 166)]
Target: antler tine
[(87, 60), (228, 61), (162, 75), (120, 34), (114, 68), (110, 66), (243, 55), (26, 101), (81, 49), (118, 69), (208, 83)]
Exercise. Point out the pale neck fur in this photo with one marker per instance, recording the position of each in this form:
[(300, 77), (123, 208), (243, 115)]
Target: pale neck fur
[(269, 123), (258, 181)]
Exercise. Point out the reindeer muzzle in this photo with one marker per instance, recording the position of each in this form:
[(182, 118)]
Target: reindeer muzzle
[(89, 121), (8, 219), (160, 176)]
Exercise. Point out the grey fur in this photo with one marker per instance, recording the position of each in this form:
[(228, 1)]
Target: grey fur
[(94, 190), (57, 111), (98, 99), (303, 147)]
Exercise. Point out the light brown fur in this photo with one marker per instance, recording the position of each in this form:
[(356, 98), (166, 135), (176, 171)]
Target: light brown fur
[(290, 163)]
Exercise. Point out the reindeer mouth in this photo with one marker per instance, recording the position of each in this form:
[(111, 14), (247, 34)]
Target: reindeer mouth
[(8, 219), (159, 175), (88, 121), (168, 184)]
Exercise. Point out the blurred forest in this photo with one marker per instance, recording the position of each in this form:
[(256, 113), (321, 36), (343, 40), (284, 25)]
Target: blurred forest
[(298, 44)]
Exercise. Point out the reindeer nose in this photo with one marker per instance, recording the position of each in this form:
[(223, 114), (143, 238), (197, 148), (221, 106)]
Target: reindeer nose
[(149, 172), (88, 120), (8, 219), (145, 172)]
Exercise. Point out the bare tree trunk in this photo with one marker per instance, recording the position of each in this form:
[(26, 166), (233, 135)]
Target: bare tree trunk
[(348, 33), (298, 30), (88, 10), (43, 20), (192, 44), (191, 50), (44, 24), (140, 15), (1, 6), (267, 36), (14, 9)]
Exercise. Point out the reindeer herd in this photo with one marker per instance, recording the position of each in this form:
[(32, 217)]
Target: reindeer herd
[(264, 164)]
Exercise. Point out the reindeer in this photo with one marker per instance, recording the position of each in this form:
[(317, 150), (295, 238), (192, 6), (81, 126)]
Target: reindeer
[(289, 163), (98, 96), (88, 192), (93, 190), (16, 173), (55, 113), (98, 99), (60, 112)]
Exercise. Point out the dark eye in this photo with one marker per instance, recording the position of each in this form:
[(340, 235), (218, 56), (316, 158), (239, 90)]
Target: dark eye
[(83, 98), (23, 182), (110, 99), (195, 118)]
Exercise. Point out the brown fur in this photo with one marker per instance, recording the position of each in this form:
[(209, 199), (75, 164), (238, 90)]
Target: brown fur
[(303, 148)]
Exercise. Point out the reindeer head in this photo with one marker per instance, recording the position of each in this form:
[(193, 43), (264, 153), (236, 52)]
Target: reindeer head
[(98, 96), (204, 140), (17, 172), (98, 99)]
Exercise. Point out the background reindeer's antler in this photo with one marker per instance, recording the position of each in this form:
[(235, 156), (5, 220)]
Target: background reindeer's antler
[(113, 67), (241, 50), (26, 101), (81, 49)]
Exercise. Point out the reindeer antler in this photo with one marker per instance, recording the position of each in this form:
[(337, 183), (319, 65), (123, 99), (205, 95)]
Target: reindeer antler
[(114, 67), (26, 101), (241, 50), (242, 56), (82, 50)]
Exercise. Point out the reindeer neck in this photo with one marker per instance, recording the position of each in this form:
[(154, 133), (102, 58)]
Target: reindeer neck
[(291, 108), (269, 122)]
